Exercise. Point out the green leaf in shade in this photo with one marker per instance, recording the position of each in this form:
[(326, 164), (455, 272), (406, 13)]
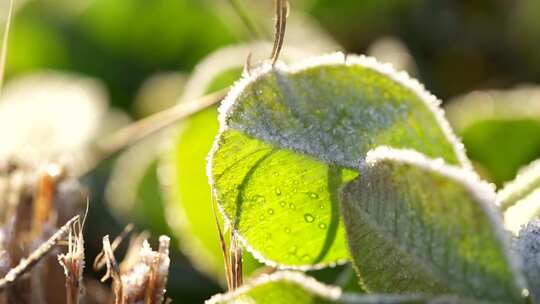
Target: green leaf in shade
[(416, 224), (520, 199), (500, 129), (292, 136), (293, 287)]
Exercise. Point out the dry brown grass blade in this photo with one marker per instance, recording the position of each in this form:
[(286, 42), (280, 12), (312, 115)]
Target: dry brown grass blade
[(157, 280), (112, 270), (4, 47), (101, 258), (251, 26), (143, 128), (282, 11), (236, 261), (223, 245), (73, 261), (26, 264)]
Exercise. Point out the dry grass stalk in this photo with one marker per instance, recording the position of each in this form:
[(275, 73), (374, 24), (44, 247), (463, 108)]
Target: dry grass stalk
[(223, 245), (31, 206), (113, 271), (101, 258), (232, 259), (140, 279), (236, 261), (26, 264), (73, 263), (282, 11)]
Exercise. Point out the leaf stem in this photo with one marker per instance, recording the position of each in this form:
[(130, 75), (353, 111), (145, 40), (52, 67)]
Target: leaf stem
[(143, 128), (282, 11), (251, 26)]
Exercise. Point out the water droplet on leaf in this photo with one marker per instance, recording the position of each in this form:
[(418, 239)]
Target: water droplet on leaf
[(309, 218), (313, 195)]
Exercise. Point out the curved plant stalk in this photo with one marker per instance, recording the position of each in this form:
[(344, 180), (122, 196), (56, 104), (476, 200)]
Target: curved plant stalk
[(282, 10), (4, 47), (253, 29), (143, 128)]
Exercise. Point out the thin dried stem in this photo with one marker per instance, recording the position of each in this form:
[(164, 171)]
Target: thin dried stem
[(4, 48), (101, 258), (236, 260), (223, 244), (282, 11), (112, 270), (143, 128), (157, 280), (252, 27), (26, 264), (73, 261)]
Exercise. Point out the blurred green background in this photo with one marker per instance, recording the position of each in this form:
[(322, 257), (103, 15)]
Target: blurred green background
[(453, 47)]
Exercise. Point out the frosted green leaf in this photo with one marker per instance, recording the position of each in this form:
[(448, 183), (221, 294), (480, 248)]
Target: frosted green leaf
[(293, 287), (416, 224), (508, 120), (189, 195), (520, 199), (292, 136)]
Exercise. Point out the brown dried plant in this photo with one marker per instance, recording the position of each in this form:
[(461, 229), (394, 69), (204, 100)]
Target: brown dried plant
[(142, 276)]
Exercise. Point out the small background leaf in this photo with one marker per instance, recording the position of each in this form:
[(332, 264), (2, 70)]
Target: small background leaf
[(520, 199), (500, 129)]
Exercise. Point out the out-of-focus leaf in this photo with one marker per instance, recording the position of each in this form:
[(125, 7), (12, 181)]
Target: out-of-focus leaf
[(294, 287), (157, 32), (416, 224), (394, 51), (500, 129), (292, 136), (520, 199), (133, 191), (159, 92), (33, 45)]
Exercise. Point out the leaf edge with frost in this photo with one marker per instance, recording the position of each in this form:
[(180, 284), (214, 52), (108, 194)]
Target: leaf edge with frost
[(483, 192)]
